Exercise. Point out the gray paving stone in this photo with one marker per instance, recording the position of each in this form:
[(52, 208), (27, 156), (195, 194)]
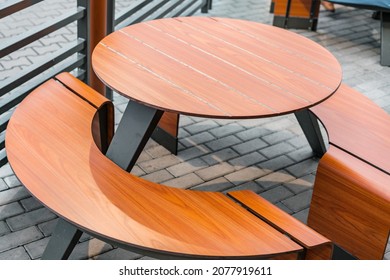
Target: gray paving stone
[(47, 228), (18, 238), (244, 175), (299, 202), (247, 160), (215, 171), (302, 215), (89, 249), (251, 185), (117, 254), (35, 249), (184, 182), (303, 168), (158, 176), (202, 125), (187, 167), (226, 130), (222, 143), (4, 228), (253, 132), (249, 146), (276, 150), (10, 210), (219, 156), (216, 185), (159, 163), (274, 179), (30, 204), (277, 194), (12, 195), (15, 254), (3, 185), (193, 152), (301, 184), (30, 218), (196, 139)]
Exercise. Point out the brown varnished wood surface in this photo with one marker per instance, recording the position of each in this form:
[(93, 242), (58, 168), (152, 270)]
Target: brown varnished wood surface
[(318, 247), (357, 125), (214, 67), (298, 8), (50, 147), (351, 204)]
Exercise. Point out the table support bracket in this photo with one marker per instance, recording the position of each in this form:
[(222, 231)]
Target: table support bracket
[(312, 131), (134, 130), (62, 241)]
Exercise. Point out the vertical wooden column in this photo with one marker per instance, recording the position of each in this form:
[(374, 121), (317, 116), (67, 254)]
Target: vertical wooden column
[(302, 14), (98, 30), (167, 131)]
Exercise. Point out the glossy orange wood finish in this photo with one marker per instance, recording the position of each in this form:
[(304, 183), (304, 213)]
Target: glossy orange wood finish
[(317, 246), (51, 150), (213, 67), (357, 125), (351, 204), (98, 29), (298, 8)]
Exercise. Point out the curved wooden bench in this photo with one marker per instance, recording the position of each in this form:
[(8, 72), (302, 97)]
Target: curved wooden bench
[(351, 197), (51, 145)]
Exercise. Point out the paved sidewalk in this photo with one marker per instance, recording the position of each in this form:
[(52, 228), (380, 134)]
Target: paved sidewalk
[(269, 156)]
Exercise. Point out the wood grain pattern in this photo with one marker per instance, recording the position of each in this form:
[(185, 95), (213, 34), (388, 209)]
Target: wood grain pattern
[(51, 150), (317, 246), (299, 8), (351, 204), (357, 125), (213, 67)]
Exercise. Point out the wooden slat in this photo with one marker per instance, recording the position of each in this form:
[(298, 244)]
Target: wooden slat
[(357, 125), (318, 247), (351, 204)]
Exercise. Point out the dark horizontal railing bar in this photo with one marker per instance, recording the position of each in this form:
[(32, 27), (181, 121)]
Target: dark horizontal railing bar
[(38, 32), (11, 7), (2, 141), (4, 119), (130, 11), (3, 157), (142, 15), (37, 68), (10, 101), (189, 12), (166, 9)]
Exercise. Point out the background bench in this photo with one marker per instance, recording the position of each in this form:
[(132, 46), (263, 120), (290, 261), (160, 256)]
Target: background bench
[(351, 197), (51, 148)]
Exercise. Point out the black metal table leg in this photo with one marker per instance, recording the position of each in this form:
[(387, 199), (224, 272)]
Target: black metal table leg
[(62, 241), (134, 130), (312, 131), (385, 38)]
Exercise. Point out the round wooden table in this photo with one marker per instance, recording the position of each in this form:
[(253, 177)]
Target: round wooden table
[(214, 67)]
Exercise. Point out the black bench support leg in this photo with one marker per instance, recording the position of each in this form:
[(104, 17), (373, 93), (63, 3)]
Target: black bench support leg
[(135, 128), (312, 131), (62, 241), (385, 39)]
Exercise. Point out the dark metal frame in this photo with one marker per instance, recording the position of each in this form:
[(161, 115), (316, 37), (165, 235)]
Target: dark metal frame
[(72, 57)]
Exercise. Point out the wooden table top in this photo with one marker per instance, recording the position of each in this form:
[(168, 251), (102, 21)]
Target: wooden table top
[(216, 67)]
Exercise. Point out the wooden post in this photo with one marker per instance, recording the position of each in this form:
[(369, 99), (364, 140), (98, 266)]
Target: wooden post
[(98, 30), (301, 14)]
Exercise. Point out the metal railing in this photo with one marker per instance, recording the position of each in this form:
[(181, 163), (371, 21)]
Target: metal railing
[(75, 56)]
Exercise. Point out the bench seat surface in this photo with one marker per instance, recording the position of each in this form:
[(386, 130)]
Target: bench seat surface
[(51, 149), (357, 125), (365, 4)]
